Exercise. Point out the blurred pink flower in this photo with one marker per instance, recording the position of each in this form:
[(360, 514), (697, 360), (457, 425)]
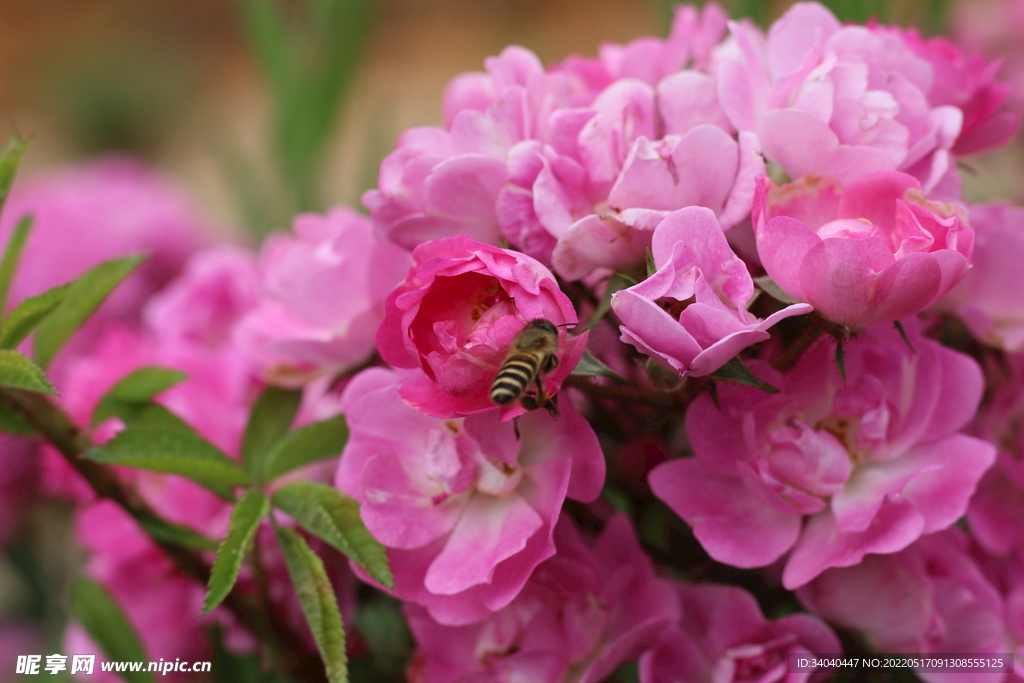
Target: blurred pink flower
[(723, 637), (931, 598), (455, 316), (828, 470), (466, 507), (843, 101), (323, 291), (92, 212), (203, 305), (993, 28), (583, 612), (990, 299), (576, 164), (874, 251), (693, 261)]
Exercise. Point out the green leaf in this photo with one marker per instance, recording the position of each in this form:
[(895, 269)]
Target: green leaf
[(903, 333), (737, 371), (163, 530), (615, 283), (386, 633), (769, 287), (12, 422), (841, 360), (651, 267), (268, 422), (331, 515), (19, 372), (308, 444), (316, 597), (138, 387), (10, 158), (141, 414), (28, 314), (15, 245), (82, 298), (245, 521), (107, 625), (161, 448), (590, 366)]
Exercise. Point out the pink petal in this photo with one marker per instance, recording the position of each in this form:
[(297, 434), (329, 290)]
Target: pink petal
[(732, 524), (783, 244)]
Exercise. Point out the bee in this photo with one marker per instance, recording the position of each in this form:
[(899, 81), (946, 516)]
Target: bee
[(533, 354)]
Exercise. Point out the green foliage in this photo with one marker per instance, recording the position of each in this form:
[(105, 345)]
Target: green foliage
[(107, 625), (162, 530), (383, 627), (737, 371), (331, 515), (319, 605), (860, 11), (13, 422), (768, 286), (590, 366), (10, 158), (317, 441), (172, 450), (19, 372), (615, 283), (269, 421), (245, 521), (80, 300), (310, 59), (29, 314), (15, 245), (138, 387)]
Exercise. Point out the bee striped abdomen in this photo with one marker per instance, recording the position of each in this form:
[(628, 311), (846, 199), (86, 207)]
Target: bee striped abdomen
[(516, 373)]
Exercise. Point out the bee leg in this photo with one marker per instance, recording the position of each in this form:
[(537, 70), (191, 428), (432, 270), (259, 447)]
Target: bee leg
[(544, 401), (529, 401), (515, 428)]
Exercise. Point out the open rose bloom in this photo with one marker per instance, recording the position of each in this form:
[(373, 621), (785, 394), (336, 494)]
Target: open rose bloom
[(784, 355)]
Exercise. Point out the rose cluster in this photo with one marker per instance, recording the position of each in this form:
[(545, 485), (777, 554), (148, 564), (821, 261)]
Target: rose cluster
[(780, 349)]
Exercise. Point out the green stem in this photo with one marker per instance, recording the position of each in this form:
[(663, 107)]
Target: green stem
[(59, 430)]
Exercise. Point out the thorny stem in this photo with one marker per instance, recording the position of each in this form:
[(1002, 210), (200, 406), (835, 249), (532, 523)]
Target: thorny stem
[(60, 430)]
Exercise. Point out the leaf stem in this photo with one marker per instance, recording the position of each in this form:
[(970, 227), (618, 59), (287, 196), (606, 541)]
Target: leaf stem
[(60, 430)]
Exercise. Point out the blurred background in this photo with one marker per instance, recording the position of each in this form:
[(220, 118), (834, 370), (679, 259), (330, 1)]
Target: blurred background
[(263, 108), (220, 93)]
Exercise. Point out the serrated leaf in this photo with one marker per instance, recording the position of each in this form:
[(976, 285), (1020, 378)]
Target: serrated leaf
[(163, 530), (167, 449), (19, 372), (737, 371), (138, 387), (331, 515), (15, 245), (313, 442), (768, 286), (269, 421), (105, 622), (590, 366), (245, 521), (29, 314), (12, 422), (316, 597), (82, 298)]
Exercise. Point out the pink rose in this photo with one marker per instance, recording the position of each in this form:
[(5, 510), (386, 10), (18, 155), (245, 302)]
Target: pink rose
[(826, 470), (322, 299), (873, 251), (455, 316), (843, 101), (693, 261), (723, 637), (989, 299), (583, 612), (466, 507), (932, 599)]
